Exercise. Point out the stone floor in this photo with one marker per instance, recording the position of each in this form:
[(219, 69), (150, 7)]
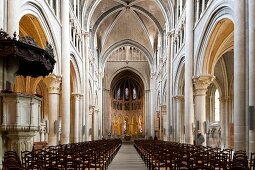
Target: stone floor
[(127, 159)]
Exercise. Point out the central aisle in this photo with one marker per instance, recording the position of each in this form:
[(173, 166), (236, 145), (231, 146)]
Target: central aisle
[(127, 159)]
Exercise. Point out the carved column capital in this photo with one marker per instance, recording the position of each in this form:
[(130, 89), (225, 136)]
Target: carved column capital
[(179, 98), (76, 96), (201, 83), (53, 83)]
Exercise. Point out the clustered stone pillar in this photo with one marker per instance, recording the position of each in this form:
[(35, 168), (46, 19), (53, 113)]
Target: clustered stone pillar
[(100, 106), (251, 68), (106, 116), (179, 117), (76, 98), (239, 76), (197, 10), (53, 82), (224, 120), (147, 123), (65, 67), (153, 103), (86, 83), (189, 108), (169, 84), (201, 83)]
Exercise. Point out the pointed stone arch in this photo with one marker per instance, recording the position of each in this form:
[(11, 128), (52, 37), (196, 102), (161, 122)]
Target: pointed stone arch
[(179, 79), (131, 43), (75, 75), (221, 19), (36, 10)]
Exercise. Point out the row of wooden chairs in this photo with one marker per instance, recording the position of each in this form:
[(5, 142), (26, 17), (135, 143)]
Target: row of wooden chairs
[(176, 156), (11, 161), (75, 156)]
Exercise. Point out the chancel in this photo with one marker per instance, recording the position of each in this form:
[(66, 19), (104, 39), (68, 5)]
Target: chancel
[(127, 84)]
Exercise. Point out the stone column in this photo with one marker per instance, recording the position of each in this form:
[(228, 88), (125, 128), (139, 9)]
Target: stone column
[(162, 121), (57, 8), (170, 39), (76, 117), (12, 21), (93, 123), (65, 67), (81, 118), (100, 105), (211, 116), (251, 68), (106, 116), (147, 118), (181, 1), (179, 117), (86, 82), (203, 6), (200, 88), (2, 14), (197, 10), (153, 103), (53, 83), (227, 120), (225, 113), (96, 124), (239, 76), (189, 108), (223, 121)]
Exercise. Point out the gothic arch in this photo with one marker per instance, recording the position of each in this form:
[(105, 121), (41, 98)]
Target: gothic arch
[(179, 79), (144, 80), (219, 17), (30, 25), (127, 101), (75, 74), (36, 10), (131, 43)]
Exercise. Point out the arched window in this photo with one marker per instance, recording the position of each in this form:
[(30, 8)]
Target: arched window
[(126, 93), (118, 94), (134, 94), (217, 106)]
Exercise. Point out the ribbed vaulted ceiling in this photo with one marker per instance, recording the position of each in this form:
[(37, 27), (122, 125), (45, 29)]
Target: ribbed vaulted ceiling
[(114, 21)]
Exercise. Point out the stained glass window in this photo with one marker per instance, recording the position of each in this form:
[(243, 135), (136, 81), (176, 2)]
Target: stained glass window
[(118, 94), (134, 94), (126, 93)]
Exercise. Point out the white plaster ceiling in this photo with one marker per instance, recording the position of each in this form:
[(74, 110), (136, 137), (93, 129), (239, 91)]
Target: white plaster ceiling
[(114, 21)]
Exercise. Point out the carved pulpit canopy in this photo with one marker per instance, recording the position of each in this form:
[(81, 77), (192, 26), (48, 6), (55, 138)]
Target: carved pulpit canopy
[(31, 60)]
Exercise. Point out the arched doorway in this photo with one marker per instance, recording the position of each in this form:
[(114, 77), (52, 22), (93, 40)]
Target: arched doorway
[(127, 105)]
